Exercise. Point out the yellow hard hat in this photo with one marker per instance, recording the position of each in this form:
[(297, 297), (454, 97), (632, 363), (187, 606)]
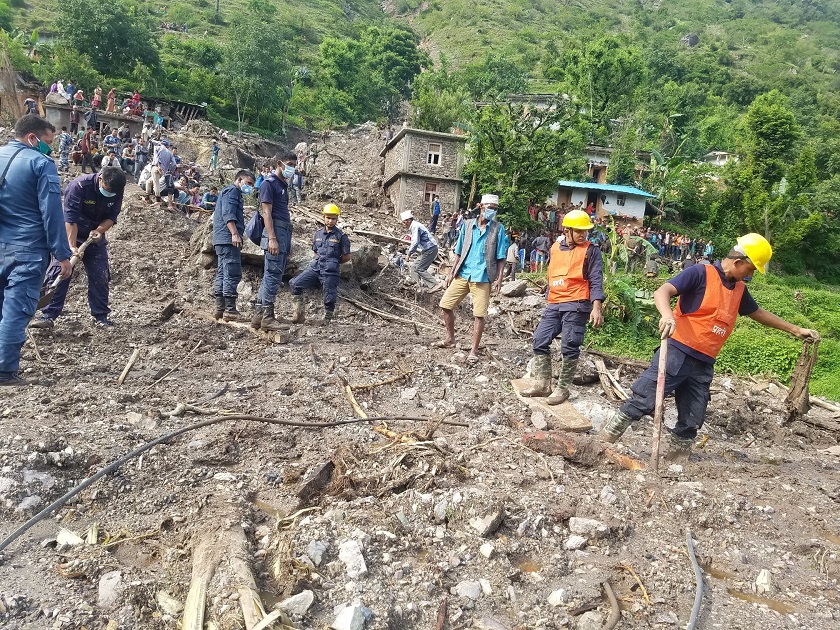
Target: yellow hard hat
[(331, 210), (757, 249), (577, 220)]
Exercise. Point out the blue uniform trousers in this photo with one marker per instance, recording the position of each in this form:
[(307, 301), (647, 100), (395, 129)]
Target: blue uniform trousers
[(570, 326), (274, 266), (688, 378), (98, 273), (311, 278), (229, 271), (21, 275)]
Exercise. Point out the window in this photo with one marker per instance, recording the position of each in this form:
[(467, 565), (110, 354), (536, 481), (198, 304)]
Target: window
[(430, 190), (433, 156), (619, 200)]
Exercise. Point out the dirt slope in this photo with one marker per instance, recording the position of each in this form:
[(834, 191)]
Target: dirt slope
[(757, 496)]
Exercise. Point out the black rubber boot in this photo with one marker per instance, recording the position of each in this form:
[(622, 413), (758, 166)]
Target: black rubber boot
[(220, 306), (231, 314), (256, 318), (268, 321)]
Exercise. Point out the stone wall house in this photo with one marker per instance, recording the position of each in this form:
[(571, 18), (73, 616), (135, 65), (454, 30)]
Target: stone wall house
[(421, 164)]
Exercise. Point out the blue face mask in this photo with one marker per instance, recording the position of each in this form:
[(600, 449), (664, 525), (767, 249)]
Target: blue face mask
[(748, 279), (106, 193), (247, 189), (288, 171), (490, 214)]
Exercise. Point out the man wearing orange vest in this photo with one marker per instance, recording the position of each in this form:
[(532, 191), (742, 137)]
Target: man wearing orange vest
[(575, 294), (710, 299)]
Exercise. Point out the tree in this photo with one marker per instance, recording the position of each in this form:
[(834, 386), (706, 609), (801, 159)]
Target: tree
[(494, 78), (439, 101), (252, 69), (772, 135), (112, 33), (520, 150)]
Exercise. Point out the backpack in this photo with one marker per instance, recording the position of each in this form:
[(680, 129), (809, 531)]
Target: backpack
[(255, 228)]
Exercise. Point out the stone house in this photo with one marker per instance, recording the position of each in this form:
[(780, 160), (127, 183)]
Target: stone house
[(421, 164)]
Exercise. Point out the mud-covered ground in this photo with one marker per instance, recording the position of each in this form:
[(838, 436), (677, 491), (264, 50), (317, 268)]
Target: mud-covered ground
[(762, 499)]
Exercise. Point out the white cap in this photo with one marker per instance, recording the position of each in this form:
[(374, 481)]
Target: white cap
[(405, 216), (487, 199)]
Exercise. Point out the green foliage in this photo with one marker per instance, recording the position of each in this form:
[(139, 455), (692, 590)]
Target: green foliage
[(519, 150), (5, 16), (773, 132), (114, 34), (493, 78)]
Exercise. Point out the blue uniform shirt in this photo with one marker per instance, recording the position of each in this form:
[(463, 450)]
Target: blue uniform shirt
[(85, 206), (275, 190), (474, 268), (330, 247), (229, 207), (30, 202)]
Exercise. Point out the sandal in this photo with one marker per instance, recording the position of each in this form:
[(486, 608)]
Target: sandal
[(472, 359), (443, 344)]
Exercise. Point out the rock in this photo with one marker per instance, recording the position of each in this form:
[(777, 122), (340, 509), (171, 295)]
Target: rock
[(168, 604), (315, 550), (516, 288), (318, 478), (111, 588), (588, 527), (591, 620), (558, 597), (440, 510), (7, 484), (350, 618), (488, 623), (365, 259), (408, 393), (482, 378), (350, 553), (470, 590), (490, 523), (574, 542), (607, 496), (533, 301), (675, 468), (538, 420), (224, 476), (298, 604), (487, 550), (29, 504), (763, 582), (486, 587)]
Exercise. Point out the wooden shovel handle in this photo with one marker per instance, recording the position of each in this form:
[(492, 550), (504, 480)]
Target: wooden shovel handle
[(659, 408)]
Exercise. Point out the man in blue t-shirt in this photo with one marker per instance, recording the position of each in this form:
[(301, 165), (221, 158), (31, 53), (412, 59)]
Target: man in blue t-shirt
[(276, 239)]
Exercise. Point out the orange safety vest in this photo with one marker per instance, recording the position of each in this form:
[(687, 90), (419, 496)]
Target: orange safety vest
[(708, 328), (565, 275)]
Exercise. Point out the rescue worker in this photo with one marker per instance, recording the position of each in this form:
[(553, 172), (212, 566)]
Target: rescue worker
[(710, 299), (331, 247), (228, 228), (575, 295), (30, 230), (92, 204), (423, 241), (276, 241), (479, 262)]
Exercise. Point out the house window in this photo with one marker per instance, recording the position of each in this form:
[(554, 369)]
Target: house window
[(619, 200), (429, 191), (433, 156)]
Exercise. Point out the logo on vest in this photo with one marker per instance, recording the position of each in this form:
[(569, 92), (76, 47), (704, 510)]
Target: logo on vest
[(559, 283), (717, 330)]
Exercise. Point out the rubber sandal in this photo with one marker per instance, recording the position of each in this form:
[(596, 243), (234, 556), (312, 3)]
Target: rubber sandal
[(472, 359), (442, 344)]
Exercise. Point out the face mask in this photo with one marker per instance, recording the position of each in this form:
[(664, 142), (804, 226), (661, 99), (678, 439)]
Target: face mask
[(288, 171), (489, 214), (106, 193), (748, 279), (247, 189), (42, 147)]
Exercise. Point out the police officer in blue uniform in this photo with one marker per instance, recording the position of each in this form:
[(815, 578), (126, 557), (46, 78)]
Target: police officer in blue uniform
[(30, 230), (331, 247), (276, 240), (92, 203)]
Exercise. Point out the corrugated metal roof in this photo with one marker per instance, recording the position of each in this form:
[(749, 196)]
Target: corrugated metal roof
[(628, 190)]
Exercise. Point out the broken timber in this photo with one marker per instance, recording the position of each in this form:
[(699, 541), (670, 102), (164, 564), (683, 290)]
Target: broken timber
[(578, 449), (565, 416)]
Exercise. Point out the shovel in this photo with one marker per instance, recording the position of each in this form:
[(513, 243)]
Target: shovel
[(48, 290), (659, 408)]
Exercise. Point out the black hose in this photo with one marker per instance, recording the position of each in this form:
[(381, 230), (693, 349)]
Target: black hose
[(165, 438)]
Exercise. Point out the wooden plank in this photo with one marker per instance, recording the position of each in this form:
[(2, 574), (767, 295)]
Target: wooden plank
[(563, 417)]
